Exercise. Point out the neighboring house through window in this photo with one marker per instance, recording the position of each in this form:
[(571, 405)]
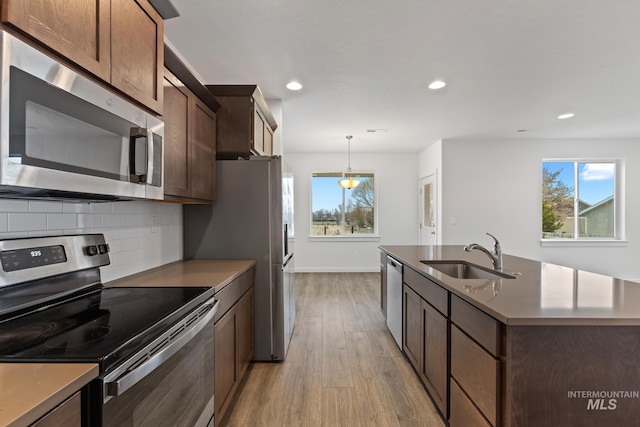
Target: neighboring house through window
[(580, 199), (339, 212)]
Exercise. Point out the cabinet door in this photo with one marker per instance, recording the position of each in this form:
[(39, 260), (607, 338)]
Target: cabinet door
[(477, 372), (436, 355), (412, 327), (258, 132), (77, 29), (176, 136), (463, 411), (67, 414), (202, 158), (226, 372), (245, 331), (137, 51), (268, 140)]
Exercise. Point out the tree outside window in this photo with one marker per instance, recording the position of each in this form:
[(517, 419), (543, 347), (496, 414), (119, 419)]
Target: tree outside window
[(582, 190), (339, 212)]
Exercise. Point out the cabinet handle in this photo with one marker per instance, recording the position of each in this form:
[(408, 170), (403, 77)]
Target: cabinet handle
[(146, 168)]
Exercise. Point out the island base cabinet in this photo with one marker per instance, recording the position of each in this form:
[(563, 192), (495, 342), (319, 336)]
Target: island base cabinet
[(412, 327), (463, 411), (425, 343), (585, 376), (477, 372), (435, 372)]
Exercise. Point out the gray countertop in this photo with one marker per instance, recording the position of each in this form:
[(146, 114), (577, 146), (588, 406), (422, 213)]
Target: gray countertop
[(541, 294)]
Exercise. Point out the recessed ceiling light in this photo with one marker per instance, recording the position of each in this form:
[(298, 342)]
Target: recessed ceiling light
[(294, 86), (565, 116), (437, 84)]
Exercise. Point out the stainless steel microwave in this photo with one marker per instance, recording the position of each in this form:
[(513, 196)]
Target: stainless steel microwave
[(65, 136)]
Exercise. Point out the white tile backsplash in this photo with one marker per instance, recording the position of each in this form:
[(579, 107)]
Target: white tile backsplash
[(26, 221), (127, 226)]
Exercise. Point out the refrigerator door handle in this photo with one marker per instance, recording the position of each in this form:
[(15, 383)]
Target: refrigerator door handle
[(286, 239)]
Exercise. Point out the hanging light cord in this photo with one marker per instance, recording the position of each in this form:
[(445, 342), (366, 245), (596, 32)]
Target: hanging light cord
[(349, 156)]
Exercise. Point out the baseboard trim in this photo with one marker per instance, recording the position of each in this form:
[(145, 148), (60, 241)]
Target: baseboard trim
[(337, 269)]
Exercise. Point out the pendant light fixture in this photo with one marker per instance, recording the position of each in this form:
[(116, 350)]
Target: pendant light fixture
[(348, 182)]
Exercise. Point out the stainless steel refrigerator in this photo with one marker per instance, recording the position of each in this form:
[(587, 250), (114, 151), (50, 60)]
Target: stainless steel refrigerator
[(253, 219)]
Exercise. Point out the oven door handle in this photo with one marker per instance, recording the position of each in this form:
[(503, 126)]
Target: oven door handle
[(130, 378)]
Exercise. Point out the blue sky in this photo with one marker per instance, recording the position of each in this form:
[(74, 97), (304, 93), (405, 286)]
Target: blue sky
[(326, 193), (596, 180)]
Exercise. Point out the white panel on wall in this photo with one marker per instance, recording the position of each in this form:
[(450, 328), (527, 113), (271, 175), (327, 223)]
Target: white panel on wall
[(141, 234)]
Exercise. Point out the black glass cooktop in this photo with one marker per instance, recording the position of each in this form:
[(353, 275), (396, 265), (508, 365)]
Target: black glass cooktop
[(105, 326)]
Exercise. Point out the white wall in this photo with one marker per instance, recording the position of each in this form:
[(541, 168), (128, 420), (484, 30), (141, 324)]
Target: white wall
[(495, 186), (397, 204), (141, 235)]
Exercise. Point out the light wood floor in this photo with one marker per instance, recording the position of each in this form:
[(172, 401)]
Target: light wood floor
[(342, 369)]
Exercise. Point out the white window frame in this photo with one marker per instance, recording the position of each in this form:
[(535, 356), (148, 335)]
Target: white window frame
[(342, 237), (619, 206)]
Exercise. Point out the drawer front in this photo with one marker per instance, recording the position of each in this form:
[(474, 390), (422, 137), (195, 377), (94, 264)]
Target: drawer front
[(478, 325), (434, 294), (231, 293), (477, 372), (463, 412)]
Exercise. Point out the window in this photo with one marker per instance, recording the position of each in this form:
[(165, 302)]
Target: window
[(580, 200), (339, 212)]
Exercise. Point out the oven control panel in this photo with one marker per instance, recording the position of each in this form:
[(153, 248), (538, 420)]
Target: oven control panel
[(33, 258), (19, 259)]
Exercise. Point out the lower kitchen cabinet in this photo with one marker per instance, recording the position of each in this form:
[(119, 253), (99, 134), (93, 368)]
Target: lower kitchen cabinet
[(425, 342), (234, 338), (463, 412), (435, 370), (475, 358), (67, 414)]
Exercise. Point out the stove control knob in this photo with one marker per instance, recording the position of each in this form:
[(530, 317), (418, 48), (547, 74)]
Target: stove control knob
[(91, 250), (103, 248)]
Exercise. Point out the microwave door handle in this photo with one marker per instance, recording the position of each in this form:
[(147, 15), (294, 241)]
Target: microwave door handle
[(150, 153), (136, 133)]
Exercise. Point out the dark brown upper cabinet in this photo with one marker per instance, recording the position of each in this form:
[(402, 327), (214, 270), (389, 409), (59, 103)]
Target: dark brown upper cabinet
[(119, 41), (245, 123), (189, 136)]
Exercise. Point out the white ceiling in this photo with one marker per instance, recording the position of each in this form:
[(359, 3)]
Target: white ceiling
[(510, 65)]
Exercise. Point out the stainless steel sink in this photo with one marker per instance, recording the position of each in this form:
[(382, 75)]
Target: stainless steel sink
[(466, 270)]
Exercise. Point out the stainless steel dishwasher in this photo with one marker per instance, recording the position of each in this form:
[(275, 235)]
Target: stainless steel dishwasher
[(394, 299)]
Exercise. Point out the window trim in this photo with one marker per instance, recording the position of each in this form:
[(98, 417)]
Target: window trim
[(619, 206), (346, 237)]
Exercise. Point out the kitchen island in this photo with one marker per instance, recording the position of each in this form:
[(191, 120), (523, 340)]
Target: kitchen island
[(546, 345)]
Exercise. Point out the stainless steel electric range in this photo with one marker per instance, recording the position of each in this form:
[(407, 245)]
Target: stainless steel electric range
[(154, 346)]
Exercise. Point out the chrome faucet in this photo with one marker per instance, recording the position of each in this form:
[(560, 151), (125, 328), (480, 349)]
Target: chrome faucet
[(496, 255)]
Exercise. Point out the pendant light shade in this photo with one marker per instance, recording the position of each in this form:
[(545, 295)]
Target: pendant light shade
[(348, 182)]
